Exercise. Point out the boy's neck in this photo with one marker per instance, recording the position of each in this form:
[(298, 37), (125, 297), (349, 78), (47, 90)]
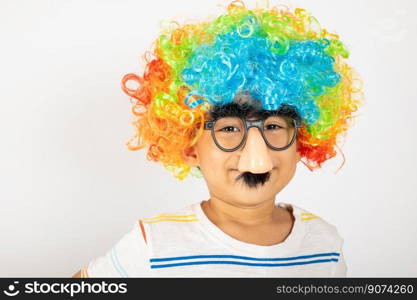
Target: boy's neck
[(259, 215), (262, 225)]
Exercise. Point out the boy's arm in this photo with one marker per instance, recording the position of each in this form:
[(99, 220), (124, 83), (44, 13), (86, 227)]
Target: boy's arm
[(77, 275), (82, 273), (340, 269), (127, 258)]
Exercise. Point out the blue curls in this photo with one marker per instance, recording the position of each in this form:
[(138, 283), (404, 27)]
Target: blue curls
[(235, 63)]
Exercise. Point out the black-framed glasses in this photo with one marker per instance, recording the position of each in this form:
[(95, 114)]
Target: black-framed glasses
[(229, 133)]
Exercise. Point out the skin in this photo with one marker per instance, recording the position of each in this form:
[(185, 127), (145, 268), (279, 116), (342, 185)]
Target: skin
[(240, 209), (77, 275)]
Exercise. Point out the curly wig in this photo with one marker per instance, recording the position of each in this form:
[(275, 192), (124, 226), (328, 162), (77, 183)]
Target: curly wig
[(278, 56)]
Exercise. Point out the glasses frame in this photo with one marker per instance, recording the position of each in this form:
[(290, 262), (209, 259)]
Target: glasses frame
[(209, 125)]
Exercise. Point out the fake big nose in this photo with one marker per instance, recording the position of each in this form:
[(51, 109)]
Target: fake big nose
[(255, 157)]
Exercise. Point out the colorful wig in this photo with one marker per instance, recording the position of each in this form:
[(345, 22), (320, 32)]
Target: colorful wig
[(278, 56)]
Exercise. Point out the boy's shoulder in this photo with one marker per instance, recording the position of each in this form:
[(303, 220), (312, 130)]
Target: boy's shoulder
[(315, 225), (314, 220), (185, 214)]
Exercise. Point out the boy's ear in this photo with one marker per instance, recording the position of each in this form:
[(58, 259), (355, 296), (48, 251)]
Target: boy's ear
[(190, 156)]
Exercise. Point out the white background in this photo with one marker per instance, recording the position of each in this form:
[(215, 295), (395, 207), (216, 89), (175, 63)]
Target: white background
[(69, 188)]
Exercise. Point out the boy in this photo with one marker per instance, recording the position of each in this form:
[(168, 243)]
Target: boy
[(242, 100)]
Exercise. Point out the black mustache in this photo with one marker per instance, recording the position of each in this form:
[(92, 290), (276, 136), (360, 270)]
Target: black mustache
[(253, 180)]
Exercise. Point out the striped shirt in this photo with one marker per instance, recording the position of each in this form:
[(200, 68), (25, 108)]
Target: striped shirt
[(185, 243)]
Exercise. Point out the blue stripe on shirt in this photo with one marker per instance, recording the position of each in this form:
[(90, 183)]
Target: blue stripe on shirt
[(244, 257), (244, 263), (233, 259)]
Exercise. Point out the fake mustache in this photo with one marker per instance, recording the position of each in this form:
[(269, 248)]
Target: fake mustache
[(254, 180)]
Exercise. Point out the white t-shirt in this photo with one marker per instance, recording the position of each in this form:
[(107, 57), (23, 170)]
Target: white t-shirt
[(185, 243)]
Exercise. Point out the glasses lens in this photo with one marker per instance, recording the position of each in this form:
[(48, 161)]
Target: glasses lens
[(279, 131), (229, 132)]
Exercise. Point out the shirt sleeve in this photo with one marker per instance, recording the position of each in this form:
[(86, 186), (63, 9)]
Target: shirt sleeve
[(127, 258), (340, 269)]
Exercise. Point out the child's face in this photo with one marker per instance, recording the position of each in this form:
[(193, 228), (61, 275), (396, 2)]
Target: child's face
[(237, 177)]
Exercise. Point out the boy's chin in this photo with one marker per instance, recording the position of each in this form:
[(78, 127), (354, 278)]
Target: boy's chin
[(251, 194)]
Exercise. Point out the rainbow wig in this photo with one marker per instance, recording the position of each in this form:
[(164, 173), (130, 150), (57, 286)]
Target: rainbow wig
[(278, 56)]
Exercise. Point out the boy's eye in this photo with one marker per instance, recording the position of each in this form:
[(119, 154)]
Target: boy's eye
[(229, 129), (273, 127)]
